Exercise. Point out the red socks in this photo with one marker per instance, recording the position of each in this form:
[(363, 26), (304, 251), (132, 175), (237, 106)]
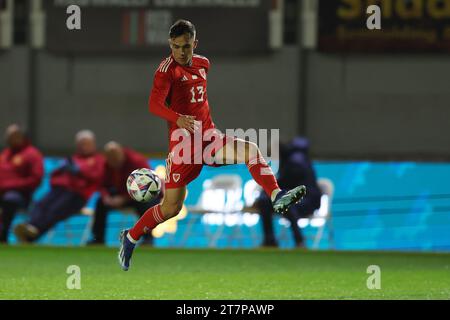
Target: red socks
[(263, 174), (149, 220)]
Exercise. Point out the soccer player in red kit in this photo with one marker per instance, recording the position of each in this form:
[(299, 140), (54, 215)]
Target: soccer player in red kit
[(179, 95)]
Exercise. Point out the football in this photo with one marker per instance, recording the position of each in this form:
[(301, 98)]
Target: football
[(143, 185)]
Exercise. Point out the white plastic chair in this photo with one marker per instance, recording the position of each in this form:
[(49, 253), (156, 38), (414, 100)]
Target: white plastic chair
[(221, 199), (322, 216)]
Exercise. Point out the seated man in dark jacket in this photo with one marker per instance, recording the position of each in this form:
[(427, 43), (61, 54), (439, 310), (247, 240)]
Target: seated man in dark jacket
[(21, 171), (72, 185), (120, 162), (295, 168)]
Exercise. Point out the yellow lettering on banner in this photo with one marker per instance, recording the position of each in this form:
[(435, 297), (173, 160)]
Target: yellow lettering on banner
[(353, 10), (438, 12), (412, 9), (409, 13), (386, 7)]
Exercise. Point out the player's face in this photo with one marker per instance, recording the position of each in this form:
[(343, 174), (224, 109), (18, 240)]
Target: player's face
[(183, 48)]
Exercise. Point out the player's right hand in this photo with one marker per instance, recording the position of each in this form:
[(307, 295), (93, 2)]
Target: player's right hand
[(187, 122)]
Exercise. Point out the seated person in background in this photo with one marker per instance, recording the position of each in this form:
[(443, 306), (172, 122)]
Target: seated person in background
[(72, 185), (295, 169), (120, 162), (21, 171)]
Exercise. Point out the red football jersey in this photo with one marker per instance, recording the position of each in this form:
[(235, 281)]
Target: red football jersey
[(181, 90)]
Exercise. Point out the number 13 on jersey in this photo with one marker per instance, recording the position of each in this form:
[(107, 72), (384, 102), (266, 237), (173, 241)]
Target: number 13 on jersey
[(197, 94)]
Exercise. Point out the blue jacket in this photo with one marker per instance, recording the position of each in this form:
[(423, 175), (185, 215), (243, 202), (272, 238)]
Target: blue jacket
[(296, 168)]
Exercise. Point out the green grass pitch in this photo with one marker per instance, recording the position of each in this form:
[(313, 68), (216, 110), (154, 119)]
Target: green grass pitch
[(35, 272)]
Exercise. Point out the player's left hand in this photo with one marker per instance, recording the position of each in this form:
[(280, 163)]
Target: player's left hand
[(188, 123)]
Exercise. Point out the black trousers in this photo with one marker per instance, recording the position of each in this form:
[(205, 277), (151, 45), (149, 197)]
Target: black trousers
[(58, 205), (10, 203), (101, 213), (303, 209)]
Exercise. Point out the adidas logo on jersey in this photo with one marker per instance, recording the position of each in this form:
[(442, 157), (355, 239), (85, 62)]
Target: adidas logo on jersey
[(184, 78)]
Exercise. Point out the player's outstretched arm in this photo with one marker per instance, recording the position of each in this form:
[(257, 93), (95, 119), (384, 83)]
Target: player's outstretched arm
[(157, 101), (158, 108), (162, 83), (182, 121)]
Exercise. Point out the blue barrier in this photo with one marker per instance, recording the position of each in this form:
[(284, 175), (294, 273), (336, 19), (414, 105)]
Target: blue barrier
[(376, 206)]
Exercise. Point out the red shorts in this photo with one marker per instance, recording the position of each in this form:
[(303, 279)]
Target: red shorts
[(180, 172)]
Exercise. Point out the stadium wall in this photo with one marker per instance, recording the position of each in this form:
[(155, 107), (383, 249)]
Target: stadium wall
[(378, 106), (13, 87), (372, 106)]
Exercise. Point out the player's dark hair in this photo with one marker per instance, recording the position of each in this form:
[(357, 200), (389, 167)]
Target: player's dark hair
[(181, 27)]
